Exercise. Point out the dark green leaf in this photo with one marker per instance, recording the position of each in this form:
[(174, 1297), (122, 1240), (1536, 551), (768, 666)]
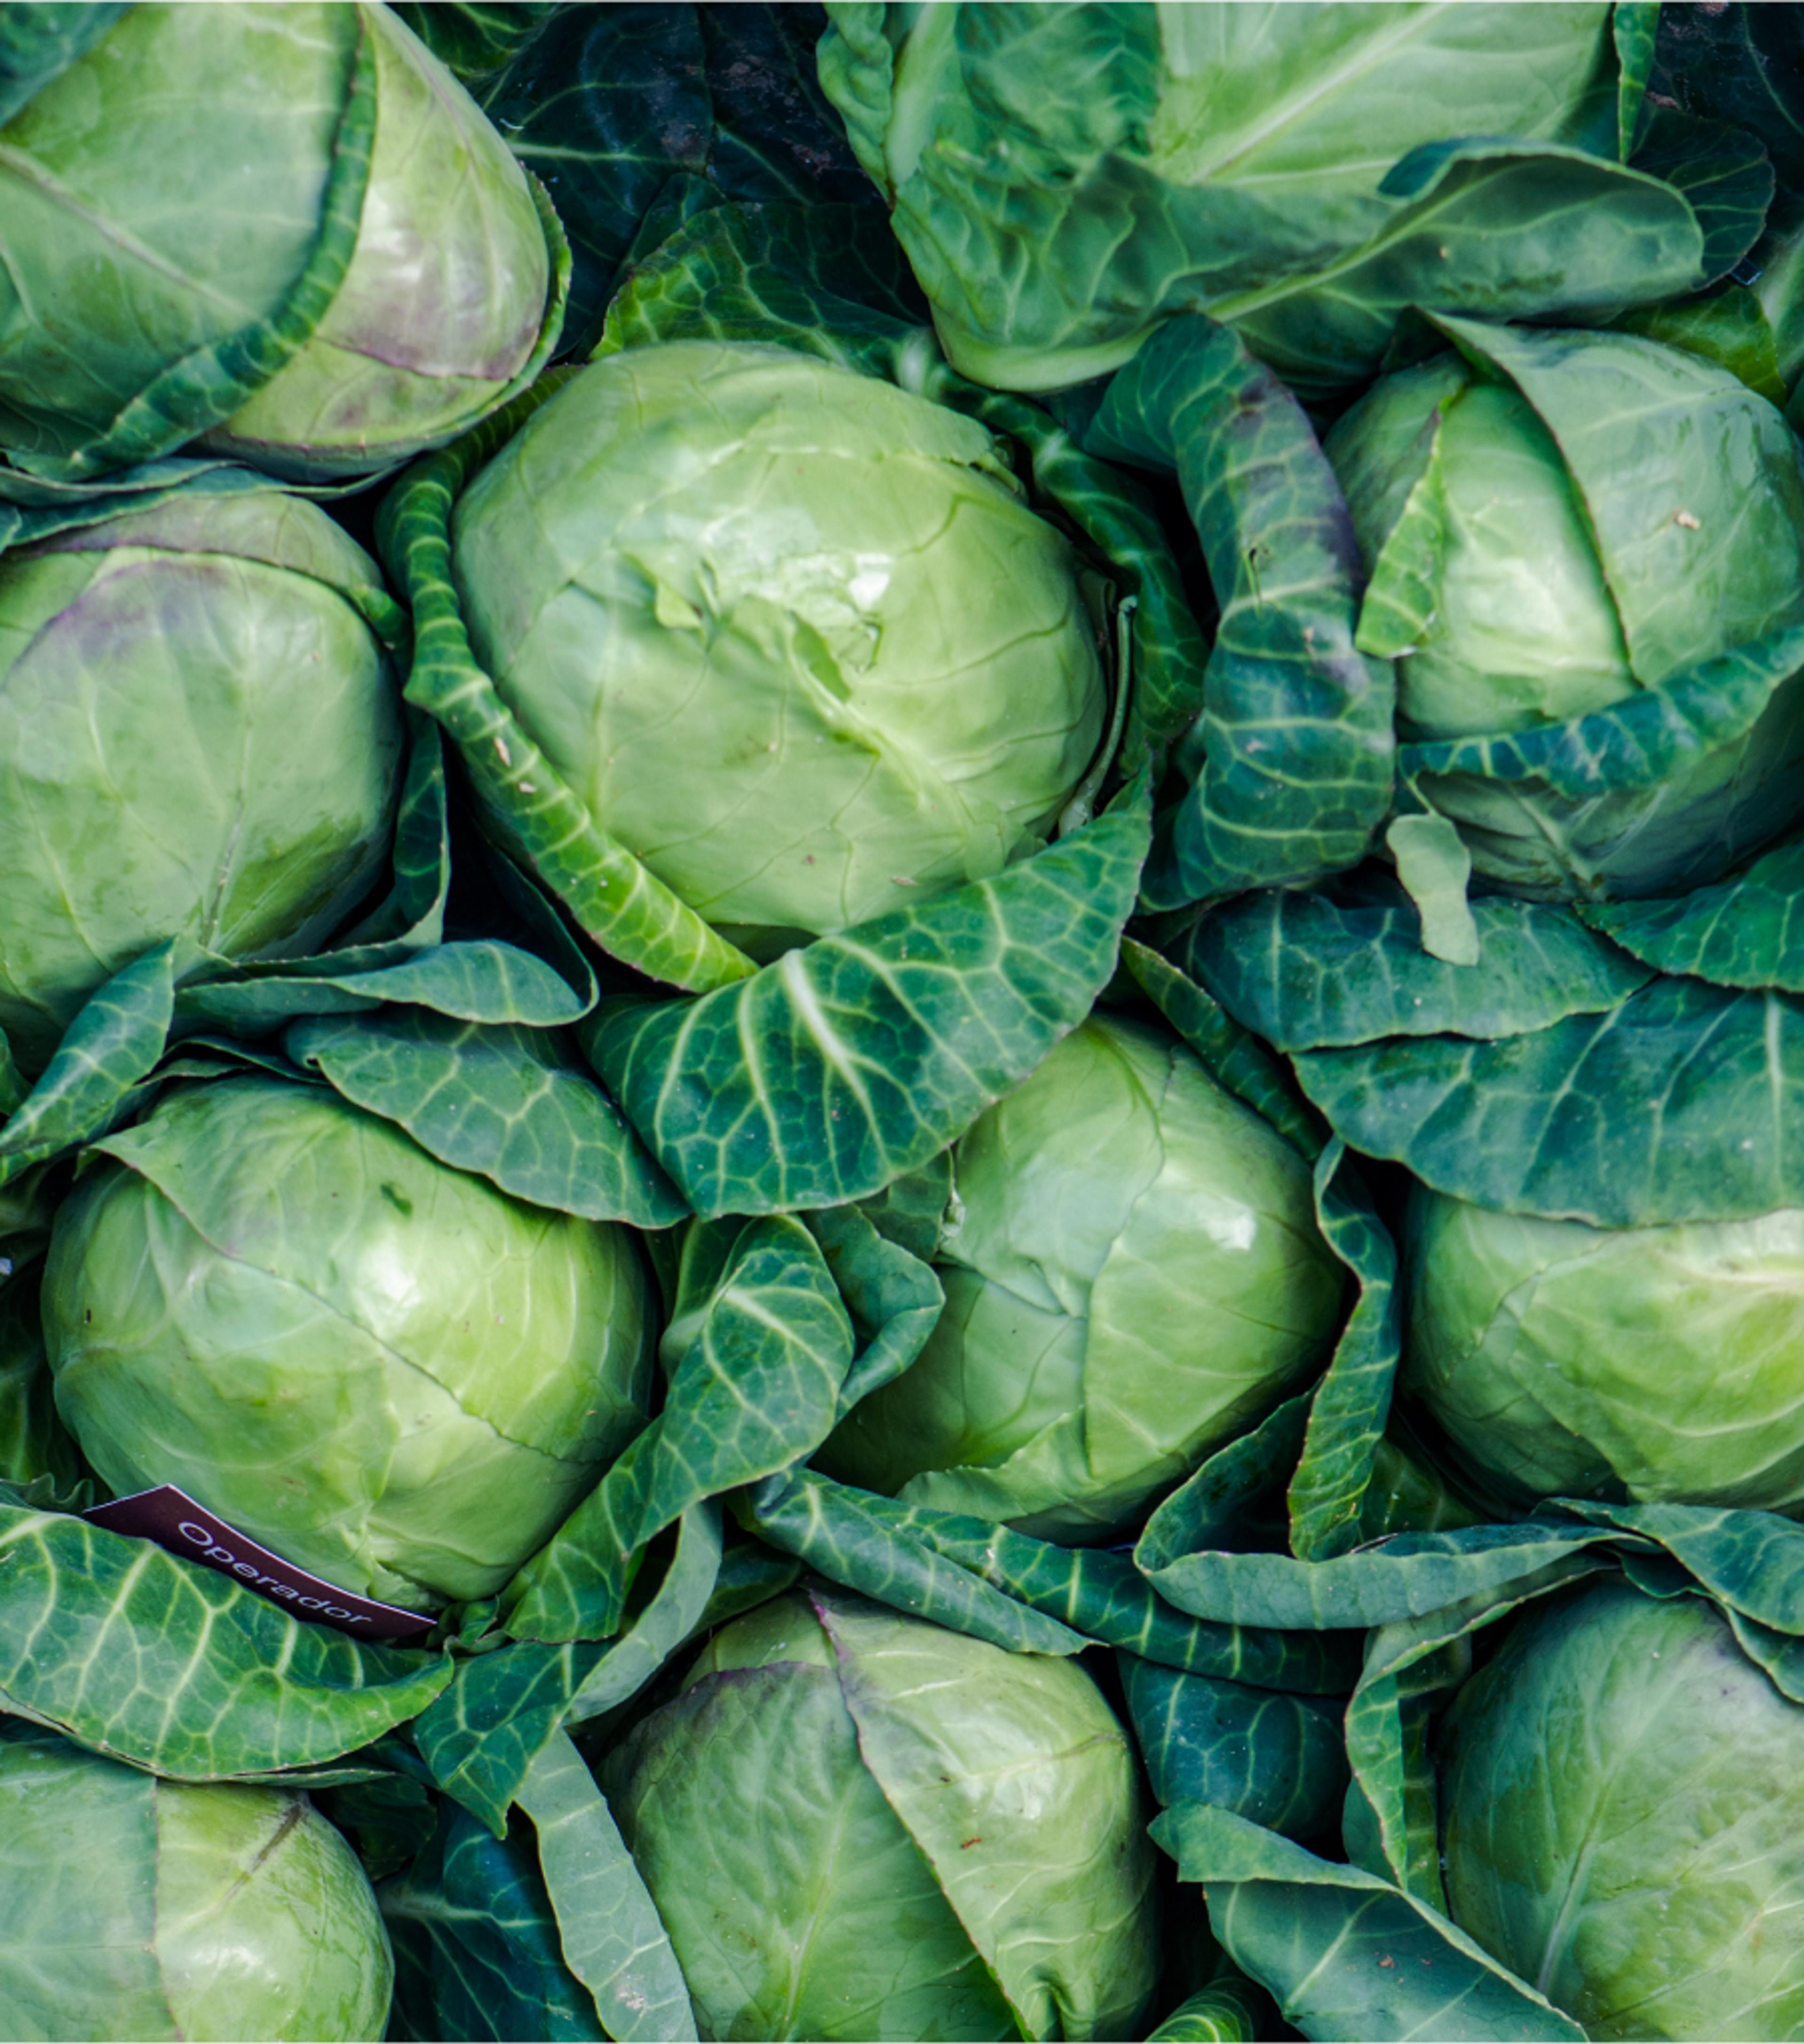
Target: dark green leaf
[(1275, 1759), (1236, 1498), (1409, 1494), (33, 1441), (894, 1297), (1407, 1577), (481, 1737), (33, 507), (1352, 1402), (1729, 326), (1495, 229), (389, 1820), (1344, 1954), (861, 1056), (28, 1206), (1747, 932), (1388, 1720), (1634, 26), (762, 1344), (776, 137), (1724, 173), (1306, 973), (848, 1536), (910, 1210), (943, 1565), (1683, 1104), (225, 1057), (1230, 2010), (509, 1103), (485, 981), (1752, 1562), (534, 920), (176, 1668), (477, 1952), (750, 1574), (1739, 64), (1296, 727), (471, 38), (606, 104), (104, 1052), (618, 107), (413, 913), (37, 42), (828, 280), (608, 1924)]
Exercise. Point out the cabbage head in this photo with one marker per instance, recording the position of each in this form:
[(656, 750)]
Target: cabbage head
[(1622, 1805), (859, 1825), (1558, 525), (1063, 179), (179, 251), (136, 1909), (1653, 1364), (790, 633), (199, 736), (1133, 1275), (381, 1368)]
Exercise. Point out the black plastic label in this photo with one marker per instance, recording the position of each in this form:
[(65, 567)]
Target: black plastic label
[(175, 1521)]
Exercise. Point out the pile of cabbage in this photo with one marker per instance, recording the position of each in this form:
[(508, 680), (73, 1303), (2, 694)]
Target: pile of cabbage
[(901, 1037)]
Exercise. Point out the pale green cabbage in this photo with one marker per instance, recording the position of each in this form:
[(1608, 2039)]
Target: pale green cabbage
[(383, 1369), (161, 197), (1662, 1363), (790, 633), (949, 1839), (1133, 1275), (1623, 1804), (216, 1912), (199, 737)]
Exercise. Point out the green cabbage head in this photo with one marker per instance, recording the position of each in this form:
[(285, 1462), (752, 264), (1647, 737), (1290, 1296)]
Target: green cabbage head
[(789, 632), (1133, 1275), (385, 1369), (179, 251), (199, 736), (858, 1825), (1557, 524), (1623, 1819), (136, 1909), (1656, 1364), (1063, 179)]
